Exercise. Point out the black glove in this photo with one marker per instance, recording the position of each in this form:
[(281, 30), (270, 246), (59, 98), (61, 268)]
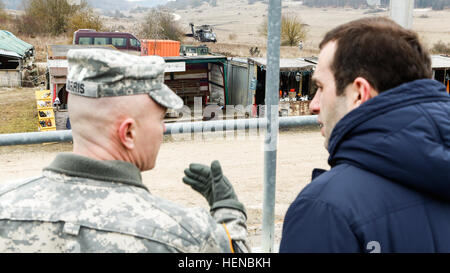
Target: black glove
[(213, 185)]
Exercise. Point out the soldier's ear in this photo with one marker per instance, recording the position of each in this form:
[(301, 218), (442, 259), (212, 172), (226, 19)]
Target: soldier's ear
[(127, 133)]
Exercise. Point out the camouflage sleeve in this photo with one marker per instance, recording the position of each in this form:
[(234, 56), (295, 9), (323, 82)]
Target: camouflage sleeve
[(236, 227)]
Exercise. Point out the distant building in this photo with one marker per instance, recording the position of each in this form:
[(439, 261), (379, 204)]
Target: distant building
[(74, 2), (15, 57), (373, 2), (441, 69), (247, 82)]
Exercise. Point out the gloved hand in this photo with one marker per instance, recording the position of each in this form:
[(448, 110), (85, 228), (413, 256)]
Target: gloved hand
[(213, 185)]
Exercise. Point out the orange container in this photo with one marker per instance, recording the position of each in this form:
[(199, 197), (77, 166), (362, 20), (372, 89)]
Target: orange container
[(163, 48)]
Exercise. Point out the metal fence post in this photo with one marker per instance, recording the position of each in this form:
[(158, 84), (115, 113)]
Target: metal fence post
[(401, 11), (271, 139)]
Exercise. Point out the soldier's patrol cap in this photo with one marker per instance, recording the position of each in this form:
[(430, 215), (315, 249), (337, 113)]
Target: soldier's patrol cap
[(100, 73)]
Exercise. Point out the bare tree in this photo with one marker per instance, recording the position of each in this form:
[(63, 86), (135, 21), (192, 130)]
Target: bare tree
[(293, 30), (441, 48), (56, 17), (84, 18), (159, 24), (3, 15)]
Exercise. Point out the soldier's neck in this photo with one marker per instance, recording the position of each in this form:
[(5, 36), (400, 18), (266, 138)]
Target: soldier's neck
[(104, 150)]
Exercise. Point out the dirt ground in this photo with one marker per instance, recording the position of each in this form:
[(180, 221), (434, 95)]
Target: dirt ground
[(237, 25), (18, 110), (242, 159), (243, 20)]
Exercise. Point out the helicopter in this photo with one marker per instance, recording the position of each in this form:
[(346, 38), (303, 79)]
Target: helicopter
[(203, 33)]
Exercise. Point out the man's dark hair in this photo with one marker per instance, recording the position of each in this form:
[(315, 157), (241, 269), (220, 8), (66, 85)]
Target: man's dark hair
[(379, 50)]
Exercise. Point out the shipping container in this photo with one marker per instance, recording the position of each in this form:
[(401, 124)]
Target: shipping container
[(198, 76), (163, 48), (247, 84)]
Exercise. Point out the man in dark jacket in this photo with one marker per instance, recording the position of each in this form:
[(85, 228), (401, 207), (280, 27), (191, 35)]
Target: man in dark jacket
[(387, 128)]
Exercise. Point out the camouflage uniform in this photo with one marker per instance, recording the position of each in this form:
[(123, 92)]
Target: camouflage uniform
[(85, 205)]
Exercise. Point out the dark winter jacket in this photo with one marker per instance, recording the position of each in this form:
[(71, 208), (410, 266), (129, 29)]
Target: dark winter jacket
[(388, 189)]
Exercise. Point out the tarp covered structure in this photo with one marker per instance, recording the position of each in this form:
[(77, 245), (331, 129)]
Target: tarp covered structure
[(297, 64), (440, 62), (15, 54), (9, 42), (441, 69)]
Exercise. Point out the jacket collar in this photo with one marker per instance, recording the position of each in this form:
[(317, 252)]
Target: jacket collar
[(110, 171), (424, 90)]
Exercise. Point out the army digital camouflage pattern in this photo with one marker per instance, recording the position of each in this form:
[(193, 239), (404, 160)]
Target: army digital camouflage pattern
[(106, 73), (60, 212)]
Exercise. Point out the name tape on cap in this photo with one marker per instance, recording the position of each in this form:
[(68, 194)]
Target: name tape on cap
[(75, 87)]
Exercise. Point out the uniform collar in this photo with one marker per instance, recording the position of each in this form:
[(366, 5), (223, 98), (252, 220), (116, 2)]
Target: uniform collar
[(410, 93), (105, 170)]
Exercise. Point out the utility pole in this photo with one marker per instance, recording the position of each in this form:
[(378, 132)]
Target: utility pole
[(401, 11), (271, 115)]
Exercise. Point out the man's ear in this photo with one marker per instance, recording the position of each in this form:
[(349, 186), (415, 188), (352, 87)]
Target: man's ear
[(127, 133), (362, 91)]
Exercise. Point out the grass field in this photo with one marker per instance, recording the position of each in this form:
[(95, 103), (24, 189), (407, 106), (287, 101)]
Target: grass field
[(18, 111)]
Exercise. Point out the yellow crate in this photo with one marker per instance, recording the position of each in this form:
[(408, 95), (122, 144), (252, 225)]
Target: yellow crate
[(46, 114), (44, 104), (43, 95), (49, 123), (46, 129)]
